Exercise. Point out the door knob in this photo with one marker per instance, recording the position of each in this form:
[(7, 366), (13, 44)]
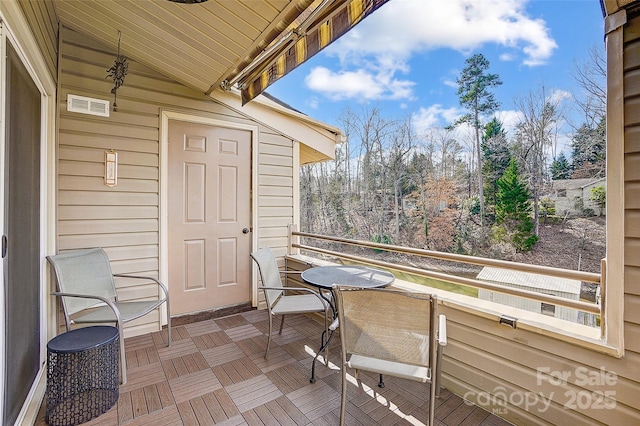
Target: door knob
[(246, 230)]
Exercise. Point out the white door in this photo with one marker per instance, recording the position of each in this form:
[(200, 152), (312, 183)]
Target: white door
[(209, 216)]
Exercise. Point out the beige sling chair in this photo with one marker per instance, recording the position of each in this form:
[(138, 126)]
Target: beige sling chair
[(278, 301), (86, 286), (390, 332)]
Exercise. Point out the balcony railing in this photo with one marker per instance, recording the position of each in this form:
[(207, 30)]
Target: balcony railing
[(580, 305)]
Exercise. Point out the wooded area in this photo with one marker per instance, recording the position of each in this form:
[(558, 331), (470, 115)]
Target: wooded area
[(469, 187)]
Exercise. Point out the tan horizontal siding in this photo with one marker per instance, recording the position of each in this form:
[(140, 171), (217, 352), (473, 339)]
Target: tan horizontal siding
[(115, 128), (79, 184), (99, 141), (275, 221), (275, 171), (275, 199), (271, 180), (103, 212), (632, 280), (276, 191), (632, 189), (108, 226), (274, 232), (125, 171), (125, 219), (632, 166), (107, 240), (103, 198), (276, 212)]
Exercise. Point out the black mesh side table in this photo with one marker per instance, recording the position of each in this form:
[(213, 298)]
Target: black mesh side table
[(82, 374)]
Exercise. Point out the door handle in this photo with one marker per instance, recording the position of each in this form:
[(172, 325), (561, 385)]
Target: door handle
[(246, 230), (5, 246)]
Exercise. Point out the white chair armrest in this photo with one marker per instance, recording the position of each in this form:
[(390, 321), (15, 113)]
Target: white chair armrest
[(324, 302), (304, 289), (108, 302), (140, 277), (442, 330)]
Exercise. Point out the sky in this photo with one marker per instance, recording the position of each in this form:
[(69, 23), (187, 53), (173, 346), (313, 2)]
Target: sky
[(405, 58)]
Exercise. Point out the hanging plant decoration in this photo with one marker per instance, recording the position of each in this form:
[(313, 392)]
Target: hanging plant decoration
[(118, 72)]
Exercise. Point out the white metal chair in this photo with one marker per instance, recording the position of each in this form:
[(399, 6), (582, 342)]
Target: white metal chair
[(85, 283), (390, 332), (278, 302)]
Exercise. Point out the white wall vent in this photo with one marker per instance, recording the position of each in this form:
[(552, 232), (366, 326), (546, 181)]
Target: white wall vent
[(85, 105)]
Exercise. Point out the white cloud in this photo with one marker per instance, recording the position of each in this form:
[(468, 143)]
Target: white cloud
[(361, 84), (507, 57), (451, 83), (434, 116), (401, 28), (558, 96), (377, 49)]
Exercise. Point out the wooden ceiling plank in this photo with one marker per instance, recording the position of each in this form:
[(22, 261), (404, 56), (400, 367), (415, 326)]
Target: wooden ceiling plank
[(150, 34), (250, 10), (214, 30), (170, 69), (151, 50), (251, 28), (186, 33)]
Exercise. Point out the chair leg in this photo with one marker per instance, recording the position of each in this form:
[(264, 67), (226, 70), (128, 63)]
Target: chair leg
[(281, 324), (438, 377), (433, 386), (326, 334), (123, 360), (266, 352), (432, 406), (343, 396), (168, 327)]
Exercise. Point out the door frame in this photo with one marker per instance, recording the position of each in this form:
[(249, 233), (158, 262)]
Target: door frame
[(14, 28), (165, 116)]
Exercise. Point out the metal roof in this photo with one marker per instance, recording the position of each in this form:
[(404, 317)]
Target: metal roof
[(534, 282)]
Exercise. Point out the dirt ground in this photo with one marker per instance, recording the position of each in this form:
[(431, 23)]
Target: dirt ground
[(577, 244)]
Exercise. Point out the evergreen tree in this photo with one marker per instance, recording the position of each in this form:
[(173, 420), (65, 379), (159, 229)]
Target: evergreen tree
[(495, 157), (513, 209), (560, 168), (473, 89), (589, 147)]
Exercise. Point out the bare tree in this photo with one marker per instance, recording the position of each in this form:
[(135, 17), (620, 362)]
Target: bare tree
[(372, 134), (535, 136), (591, 76), (402, 143)]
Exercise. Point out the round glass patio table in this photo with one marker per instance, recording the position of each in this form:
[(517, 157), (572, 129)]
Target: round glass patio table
[(324, 277)]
